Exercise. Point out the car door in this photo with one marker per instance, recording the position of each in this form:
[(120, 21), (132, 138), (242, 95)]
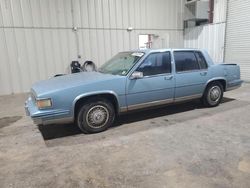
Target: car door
[(191, 74), (156, 86)]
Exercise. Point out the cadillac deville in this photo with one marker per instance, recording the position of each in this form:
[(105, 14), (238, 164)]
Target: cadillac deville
[(129, 81)]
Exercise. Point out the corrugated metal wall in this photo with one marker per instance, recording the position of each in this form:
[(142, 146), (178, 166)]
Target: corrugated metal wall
[(237, 48), (37, 40), (220, 11), (211, 36)]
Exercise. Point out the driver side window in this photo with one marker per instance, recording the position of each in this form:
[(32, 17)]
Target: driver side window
[(156, 63)]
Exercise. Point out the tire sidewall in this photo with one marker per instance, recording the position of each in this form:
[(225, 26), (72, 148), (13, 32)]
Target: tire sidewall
[(81, 116), (206, 96)]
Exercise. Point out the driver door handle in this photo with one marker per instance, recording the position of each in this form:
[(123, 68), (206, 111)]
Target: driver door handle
[(168, 77)]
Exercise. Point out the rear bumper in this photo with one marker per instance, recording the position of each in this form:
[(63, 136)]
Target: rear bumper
[(50, 116), (234, 85)]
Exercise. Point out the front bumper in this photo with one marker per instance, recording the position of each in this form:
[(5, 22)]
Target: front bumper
[(49, 116)]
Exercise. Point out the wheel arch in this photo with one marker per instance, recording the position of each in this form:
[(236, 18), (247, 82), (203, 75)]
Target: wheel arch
[(219, 79), (108, 95)]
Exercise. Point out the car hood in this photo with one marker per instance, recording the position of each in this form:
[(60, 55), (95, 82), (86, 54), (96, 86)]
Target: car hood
[(69, 81)]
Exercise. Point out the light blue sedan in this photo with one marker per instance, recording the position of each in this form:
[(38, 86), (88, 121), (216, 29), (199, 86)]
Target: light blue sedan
[(129, 81)]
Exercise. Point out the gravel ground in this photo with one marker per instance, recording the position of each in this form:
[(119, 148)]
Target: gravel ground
[(184, 145)]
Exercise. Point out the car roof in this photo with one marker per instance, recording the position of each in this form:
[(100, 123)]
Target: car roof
[(162, 49)]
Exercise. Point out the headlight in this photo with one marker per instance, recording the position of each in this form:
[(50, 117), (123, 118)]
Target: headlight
[(43, 103)]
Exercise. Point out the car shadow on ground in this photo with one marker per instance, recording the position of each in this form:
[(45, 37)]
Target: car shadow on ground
[(62, 130)]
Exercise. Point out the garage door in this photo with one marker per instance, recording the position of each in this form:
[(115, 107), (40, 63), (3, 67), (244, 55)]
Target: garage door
[(238, 36)]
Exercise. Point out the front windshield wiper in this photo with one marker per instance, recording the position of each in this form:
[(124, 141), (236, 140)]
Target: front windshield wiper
[(100, 70)]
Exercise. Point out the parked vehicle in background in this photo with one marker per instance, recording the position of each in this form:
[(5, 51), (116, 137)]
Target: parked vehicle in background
[(129, 81)]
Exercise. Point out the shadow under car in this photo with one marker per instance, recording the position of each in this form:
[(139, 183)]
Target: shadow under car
[(63, 130)]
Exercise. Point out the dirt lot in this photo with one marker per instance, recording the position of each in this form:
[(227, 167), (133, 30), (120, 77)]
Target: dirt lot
[(176, 146)]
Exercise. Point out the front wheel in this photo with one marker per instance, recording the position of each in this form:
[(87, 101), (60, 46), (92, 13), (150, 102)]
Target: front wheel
[(213, 94), (96, 116)]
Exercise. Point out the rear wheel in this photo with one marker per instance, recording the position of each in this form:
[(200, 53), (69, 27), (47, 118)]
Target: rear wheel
[(213, 94), (96, 116)]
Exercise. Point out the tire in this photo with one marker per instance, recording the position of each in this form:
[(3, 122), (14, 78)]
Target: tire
[(95, 116), (213, 94)]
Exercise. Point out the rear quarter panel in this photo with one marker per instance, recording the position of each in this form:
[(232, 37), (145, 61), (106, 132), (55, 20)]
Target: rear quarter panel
[(228, 72)]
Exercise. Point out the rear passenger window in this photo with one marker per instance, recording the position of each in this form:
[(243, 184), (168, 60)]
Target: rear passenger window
[(201, 60), (185, 61)]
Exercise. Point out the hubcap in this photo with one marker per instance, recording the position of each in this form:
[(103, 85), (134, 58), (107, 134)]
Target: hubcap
[(214, 94), (97, 116)]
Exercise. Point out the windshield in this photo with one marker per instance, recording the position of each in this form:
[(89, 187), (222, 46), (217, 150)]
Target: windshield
[(121, 63)]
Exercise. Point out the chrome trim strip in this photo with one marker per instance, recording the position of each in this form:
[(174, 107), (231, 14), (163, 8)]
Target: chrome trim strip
[(123, 109), (162, 102), (190, 71), (190, 97), (158, 75), (93, 93), (214, 79), (149, 104)]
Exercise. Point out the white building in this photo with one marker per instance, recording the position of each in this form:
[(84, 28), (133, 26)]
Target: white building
[(228, 37), (39, 38)]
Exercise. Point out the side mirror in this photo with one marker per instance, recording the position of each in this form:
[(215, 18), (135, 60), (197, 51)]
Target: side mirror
[(136, 75)]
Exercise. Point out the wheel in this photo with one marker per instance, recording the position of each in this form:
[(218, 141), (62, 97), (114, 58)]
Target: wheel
[(213, 94), (95, 116)]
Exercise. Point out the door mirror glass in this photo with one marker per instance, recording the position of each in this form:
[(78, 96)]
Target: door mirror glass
[(136, 75)]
